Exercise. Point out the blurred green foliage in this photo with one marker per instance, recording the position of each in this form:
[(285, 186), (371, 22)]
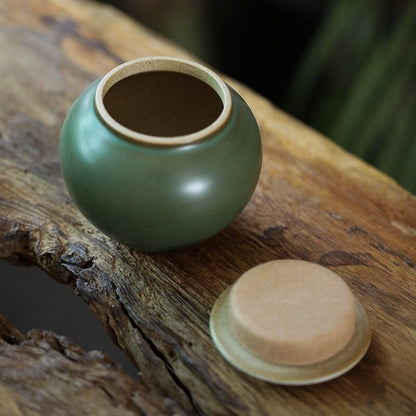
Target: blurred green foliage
[(356, 83)]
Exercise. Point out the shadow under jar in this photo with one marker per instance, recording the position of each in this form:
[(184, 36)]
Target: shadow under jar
[(160, 153)]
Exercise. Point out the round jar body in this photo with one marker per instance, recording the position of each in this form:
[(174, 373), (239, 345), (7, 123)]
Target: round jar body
[(161, 194)]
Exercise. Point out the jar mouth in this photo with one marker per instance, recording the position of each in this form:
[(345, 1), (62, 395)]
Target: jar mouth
[(128, 97)]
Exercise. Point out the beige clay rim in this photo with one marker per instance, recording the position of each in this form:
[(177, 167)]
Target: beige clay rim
[(163, 63)]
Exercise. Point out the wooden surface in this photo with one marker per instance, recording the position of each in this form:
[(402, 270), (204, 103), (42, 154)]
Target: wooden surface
[(313, 202), (45, 374)]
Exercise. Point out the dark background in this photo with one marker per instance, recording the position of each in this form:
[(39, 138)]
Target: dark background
[(29, 298), (347, 68)]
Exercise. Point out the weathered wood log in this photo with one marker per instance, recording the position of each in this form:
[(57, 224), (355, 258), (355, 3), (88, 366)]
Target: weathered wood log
[(314, 202), (46, 374)]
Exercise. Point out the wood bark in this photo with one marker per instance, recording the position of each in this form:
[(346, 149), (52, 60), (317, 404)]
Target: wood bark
[(46, 374), (314, 202)]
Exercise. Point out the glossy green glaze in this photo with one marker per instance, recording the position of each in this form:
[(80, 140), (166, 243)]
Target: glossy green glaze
[(157, 198)]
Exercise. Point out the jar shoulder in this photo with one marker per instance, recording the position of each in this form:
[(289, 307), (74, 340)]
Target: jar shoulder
[(86, 139)]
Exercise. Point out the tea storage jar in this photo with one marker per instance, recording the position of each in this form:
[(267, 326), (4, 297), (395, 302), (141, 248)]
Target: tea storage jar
[(160, 153)]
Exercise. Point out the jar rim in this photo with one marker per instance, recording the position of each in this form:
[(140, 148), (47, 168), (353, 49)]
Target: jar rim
[(169, 64)]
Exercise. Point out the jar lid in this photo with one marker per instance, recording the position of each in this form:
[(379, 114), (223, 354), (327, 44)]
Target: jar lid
[(290, 322)]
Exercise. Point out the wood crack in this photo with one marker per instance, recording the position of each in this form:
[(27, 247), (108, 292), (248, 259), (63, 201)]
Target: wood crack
[(163, 358)]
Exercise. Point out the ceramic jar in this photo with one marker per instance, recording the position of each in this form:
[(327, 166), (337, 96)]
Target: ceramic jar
[(160, 153)]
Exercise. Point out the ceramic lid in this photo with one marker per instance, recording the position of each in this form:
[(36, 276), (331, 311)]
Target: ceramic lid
[(290, 322)]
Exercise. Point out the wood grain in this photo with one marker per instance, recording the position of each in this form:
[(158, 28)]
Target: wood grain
[(46, 374), (314, 202)]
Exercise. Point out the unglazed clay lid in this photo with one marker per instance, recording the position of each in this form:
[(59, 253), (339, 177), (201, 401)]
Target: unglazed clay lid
[(290, 322)]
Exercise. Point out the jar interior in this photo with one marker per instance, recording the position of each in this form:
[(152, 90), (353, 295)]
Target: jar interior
[(163, 103)]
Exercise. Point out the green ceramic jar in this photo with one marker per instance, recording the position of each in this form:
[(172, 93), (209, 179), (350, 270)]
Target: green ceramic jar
[(160, 153)]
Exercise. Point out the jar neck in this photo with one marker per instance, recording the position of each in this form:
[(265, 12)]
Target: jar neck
[(200, 74)]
